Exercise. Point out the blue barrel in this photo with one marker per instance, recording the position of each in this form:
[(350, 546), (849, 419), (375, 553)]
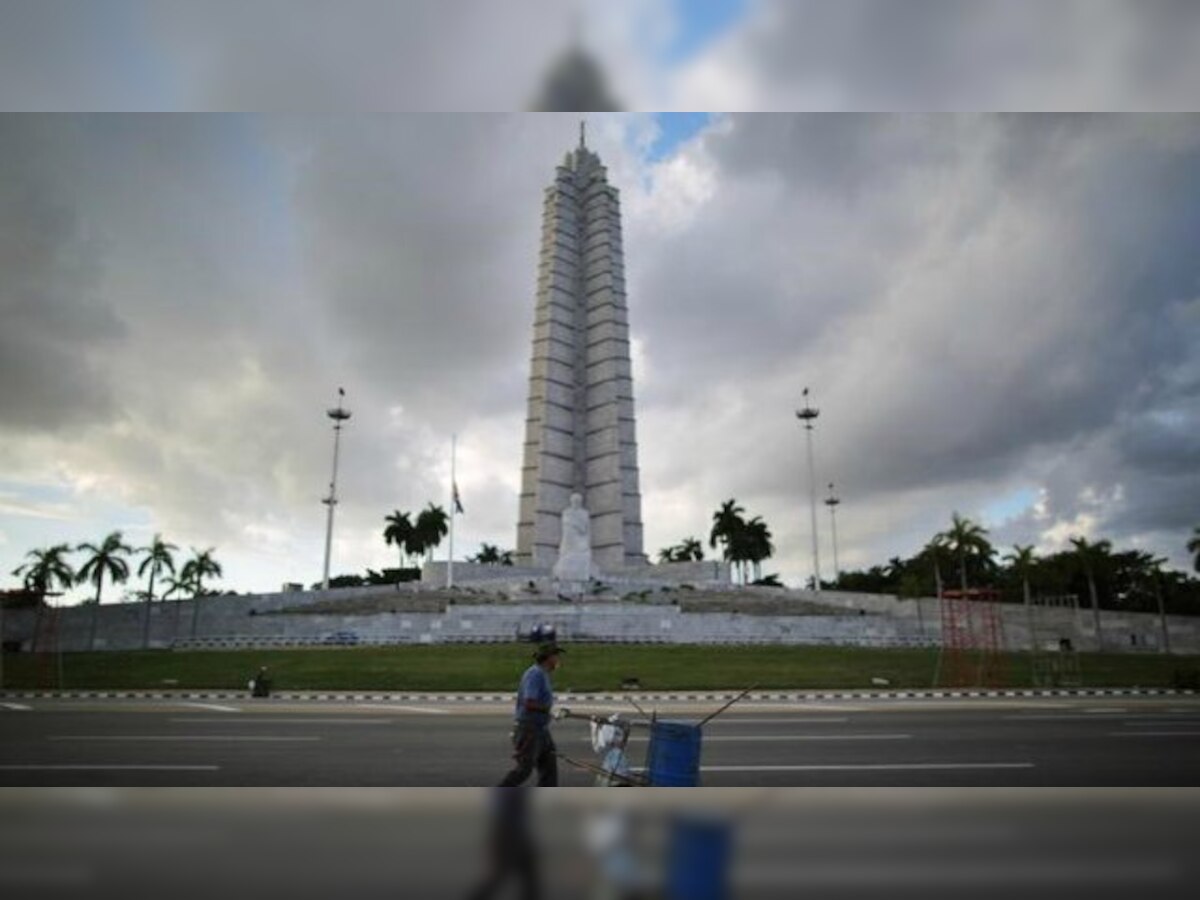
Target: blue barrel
[(674, 756), (698, 860)]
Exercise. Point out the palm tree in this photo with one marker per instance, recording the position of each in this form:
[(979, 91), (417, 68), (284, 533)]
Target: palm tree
[(1193, 547), (727, 528), (758, 544), (966, 538), (158, 558), (432, 525), (398, 531), (181, 585), (1023, 561), (195, 570), (935, 553), (667, 554), (106, 559), (488, 555), (45, 570), (1091, 557), (690, 550)]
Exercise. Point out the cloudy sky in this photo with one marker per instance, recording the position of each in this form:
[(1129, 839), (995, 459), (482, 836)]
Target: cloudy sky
[(998, 315), (473, 55)]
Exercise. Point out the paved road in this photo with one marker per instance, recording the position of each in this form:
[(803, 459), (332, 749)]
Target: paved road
[(1027, 742), (920, 843)]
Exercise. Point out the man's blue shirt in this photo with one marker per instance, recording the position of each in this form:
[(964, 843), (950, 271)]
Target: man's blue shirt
[(535, 685)]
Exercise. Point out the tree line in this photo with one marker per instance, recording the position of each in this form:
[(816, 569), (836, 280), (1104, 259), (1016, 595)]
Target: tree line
[(745, 544), (1091, 571), (49, 572)]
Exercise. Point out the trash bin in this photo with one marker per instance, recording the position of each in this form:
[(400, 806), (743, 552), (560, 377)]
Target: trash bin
[(673, 759)]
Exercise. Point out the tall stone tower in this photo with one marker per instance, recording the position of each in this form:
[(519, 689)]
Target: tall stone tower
[(579, 434)]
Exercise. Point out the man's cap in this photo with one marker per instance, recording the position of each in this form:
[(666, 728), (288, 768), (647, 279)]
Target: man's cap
[(545, 651)]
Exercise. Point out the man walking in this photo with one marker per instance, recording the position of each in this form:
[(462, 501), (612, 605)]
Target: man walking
[(532, 744)]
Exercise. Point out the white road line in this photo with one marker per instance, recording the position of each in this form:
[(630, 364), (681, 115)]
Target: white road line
[(728, 738), (880, 767), (20, 707), (213, 706), (808, 737), (428, 710), (39, 767), (1012, 871), (755, 720), (266, 738), (281, 720), (1154, 734), (1063, 718)]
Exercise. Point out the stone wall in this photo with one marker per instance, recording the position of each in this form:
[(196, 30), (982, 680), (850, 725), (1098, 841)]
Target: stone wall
[(869, 621)]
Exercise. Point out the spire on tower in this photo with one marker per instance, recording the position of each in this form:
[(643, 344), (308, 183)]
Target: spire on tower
[(583, 134)]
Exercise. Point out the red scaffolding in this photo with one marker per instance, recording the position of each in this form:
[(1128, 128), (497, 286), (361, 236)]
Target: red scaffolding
[(972, 639)]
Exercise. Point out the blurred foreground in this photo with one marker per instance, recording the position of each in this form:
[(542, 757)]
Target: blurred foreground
[(430, 843)]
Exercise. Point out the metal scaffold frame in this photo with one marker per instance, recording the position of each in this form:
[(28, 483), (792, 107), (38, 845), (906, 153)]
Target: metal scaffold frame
[(972, 651)]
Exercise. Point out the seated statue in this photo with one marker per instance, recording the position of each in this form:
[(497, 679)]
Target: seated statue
[(575, 549)]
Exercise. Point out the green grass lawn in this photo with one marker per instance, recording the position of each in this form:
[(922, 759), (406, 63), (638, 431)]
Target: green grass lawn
[(585, 668)]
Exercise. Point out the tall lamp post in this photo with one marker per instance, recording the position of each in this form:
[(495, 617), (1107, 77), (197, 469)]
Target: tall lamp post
[(339, 415), (832, 503), (808, 415)]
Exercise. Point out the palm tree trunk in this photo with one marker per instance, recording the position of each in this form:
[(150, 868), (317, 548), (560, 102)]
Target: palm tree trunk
[(95, 615), (962, 571), (1096, 610), (1162, 615), (146, 614), (37, 626), (1033, 641), (195, 611)]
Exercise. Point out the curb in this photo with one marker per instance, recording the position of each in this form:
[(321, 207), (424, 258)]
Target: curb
[(681, 696)]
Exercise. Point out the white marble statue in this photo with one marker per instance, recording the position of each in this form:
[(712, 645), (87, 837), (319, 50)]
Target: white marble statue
[(575, 548)]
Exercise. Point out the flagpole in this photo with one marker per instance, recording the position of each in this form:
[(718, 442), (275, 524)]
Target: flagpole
[(453, 508)]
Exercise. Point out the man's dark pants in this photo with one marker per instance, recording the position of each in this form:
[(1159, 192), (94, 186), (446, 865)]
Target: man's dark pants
[(533, 746)]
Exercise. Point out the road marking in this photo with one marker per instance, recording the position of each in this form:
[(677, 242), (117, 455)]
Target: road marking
[(795, 737), (1154, 734), (40, 767), (214, 706), (20, 707), (281, 720), (808, 737), (428, 710), (267, 738), (1013, 870), (755, 720), (1062, 718), (872, 767)]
